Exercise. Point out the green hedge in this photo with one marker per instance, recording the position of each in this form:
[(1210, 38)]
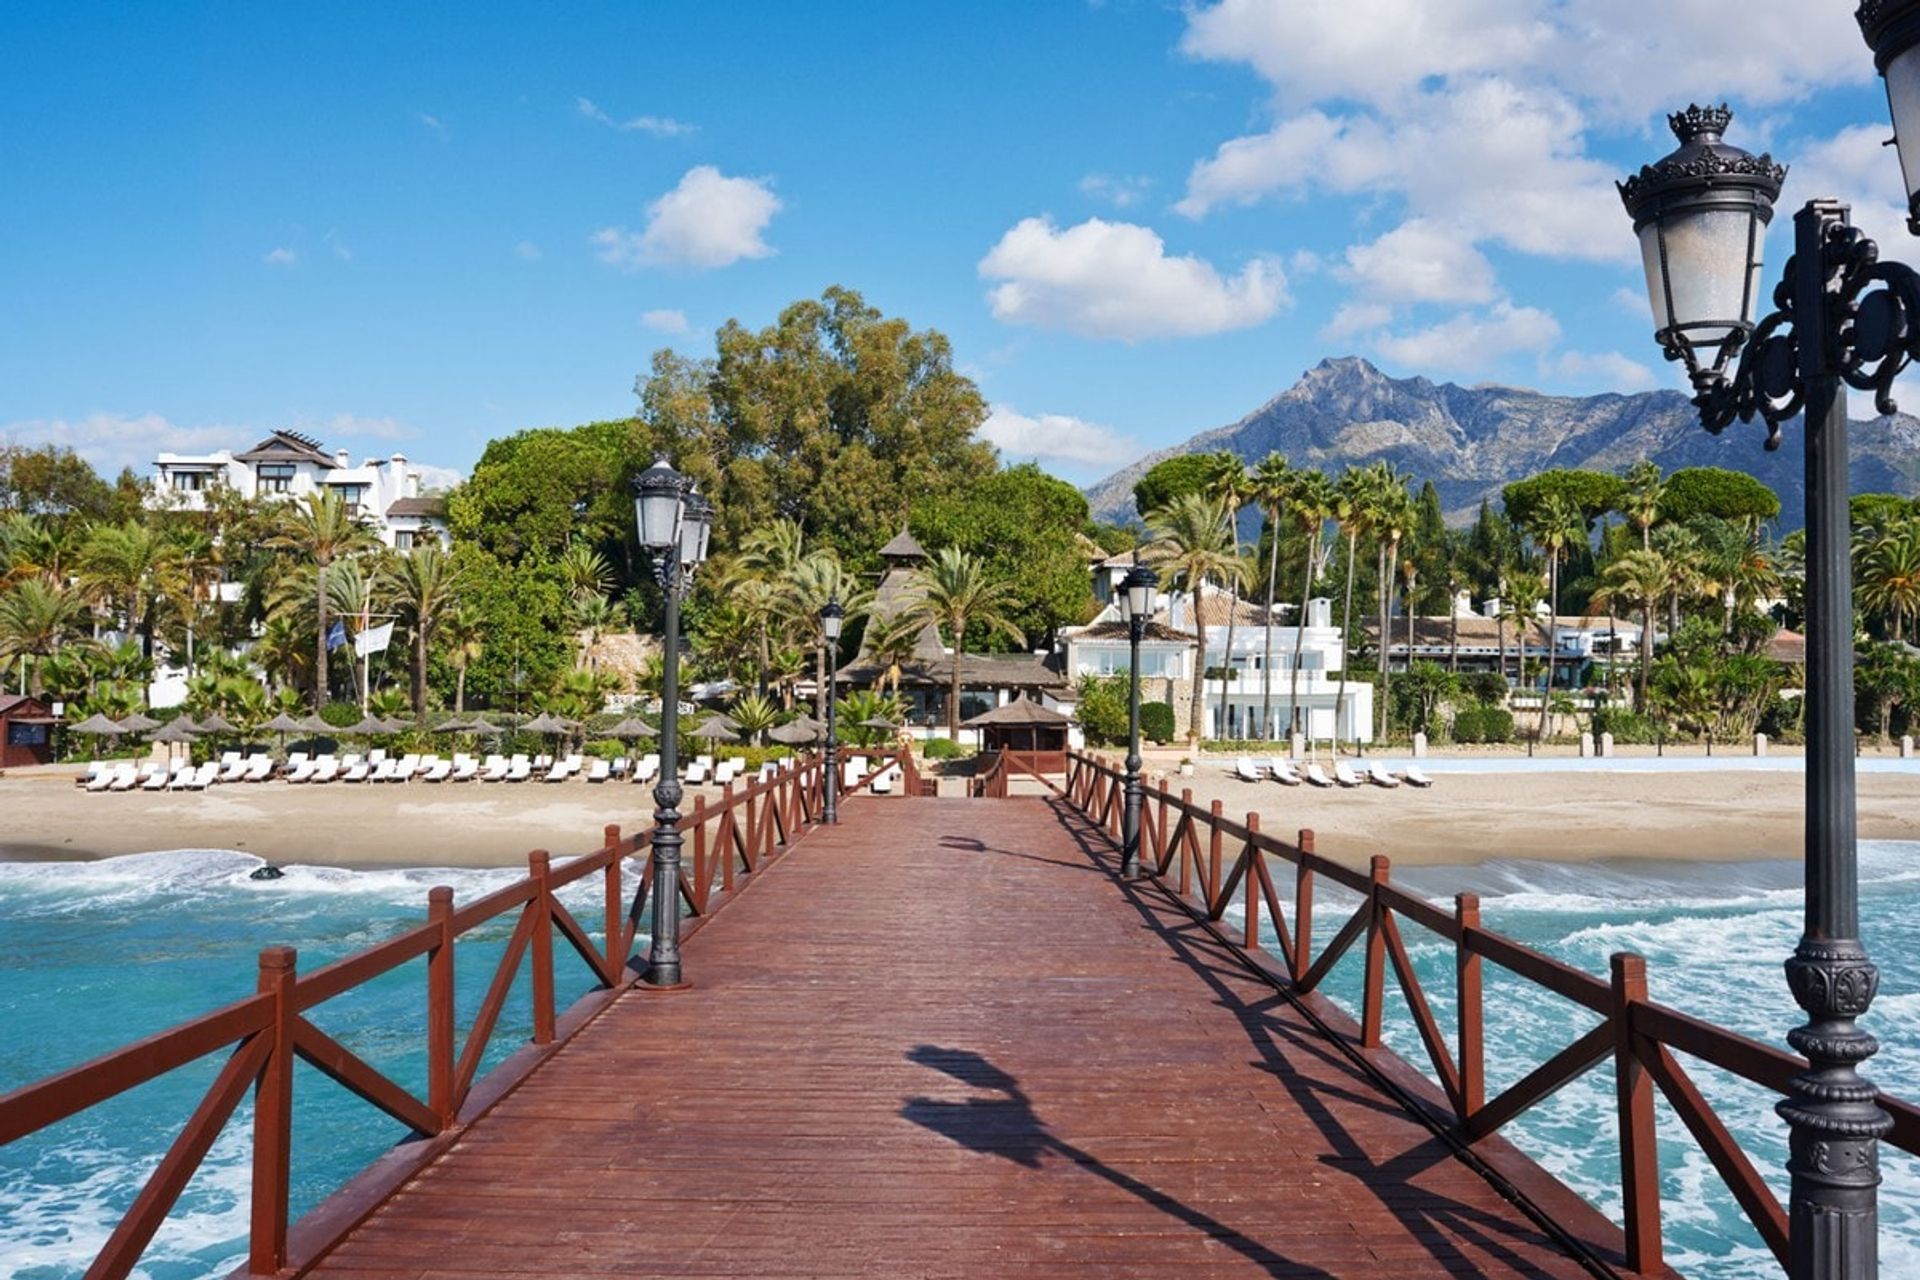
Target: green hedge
[(1483, 724), (942, 749), (1625, 726), (1156, 722)]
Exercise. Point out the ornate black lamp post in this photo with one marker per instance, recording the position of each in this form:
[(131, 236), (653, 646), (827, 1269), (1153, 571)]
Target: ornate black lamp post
[(1136, 606), (674, 523), (831, 617), (1843, 318)]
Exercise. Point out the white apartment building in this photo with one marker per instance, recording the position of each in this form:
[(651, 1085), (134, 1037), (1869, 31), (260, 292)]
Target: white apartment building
[(1259, 682), (382, 492)]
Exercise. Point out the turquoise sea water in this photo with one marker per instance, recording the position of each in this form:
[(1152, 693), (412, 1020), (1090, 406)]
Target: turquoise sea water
[(93, 955)]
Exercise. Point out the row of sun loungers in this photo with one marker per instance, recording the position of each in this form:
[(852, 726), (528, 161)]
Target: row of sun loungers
[(377, 766), (1282, 771)]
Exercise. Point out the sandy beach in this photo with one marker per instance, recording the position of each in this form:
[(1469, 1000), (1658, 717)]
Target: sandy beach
[(1464, 818)]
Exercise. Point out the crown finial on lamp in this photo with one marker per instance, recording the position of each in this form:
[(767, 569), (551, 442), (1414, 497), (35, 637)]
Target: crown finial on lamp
[(1700, 122)]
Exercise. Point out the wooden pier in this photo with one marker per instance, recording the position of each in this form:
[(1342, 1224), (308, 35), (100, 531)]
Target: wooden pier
[(943, 1038)]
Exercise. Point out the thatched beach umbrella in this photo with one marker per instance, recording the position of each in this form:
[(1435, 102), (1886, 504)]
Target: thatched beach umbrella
[(284, 724), (453, 725), (879, 722), (717, 728), (97, 726), (217, 723), (137, 723), (632, 727), (368, 727), (173, 733), (797, 733), (481, 727)]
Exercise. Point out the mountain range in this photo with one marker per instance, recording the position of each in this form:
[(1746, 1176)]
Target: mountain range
[(1471, 441)]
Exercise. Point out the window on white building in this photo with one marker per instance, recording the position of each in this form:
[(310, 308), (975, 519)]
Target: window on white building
[(403, 539), (191, 481), (275, 477), (351, 494)]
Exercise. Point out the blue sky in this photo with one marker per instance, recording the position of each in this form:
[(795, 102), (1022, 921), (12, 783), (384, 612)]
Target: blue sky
[(412, 228)]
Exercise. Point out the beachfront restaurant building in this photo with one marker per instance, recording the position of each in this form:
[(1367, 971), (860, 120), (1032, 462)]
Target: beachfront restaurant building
[(1251, 665), (26, 731), (1583, 645)]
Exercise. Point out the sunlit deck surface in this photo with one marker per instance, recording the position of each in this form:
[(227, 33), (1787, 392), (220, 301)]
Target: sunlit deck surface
[(942, 1040)]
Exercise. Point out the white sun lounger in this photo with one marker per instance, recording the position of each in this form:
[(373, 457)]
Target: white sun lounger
[(1317, 776), (95, 769), (1283, 772), (438, 771), (1377, 774), (98, 779), (259, 768), (465, 769), (648, 769), (1344, 775), (299, 771), (199, 779), (358, 771), (496, 769), (325, 769), (158, 780), (125, 778), (883, 782), (696, 772), (599, 771), (1414, 777), (1244, 770), (520, 769), (556, 772), (403, 769)]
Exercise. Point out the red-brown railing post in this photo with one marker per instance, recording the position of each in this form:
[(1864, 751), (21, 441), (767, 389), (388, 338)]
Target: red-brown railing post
[(1160, 830), (440, 1007), (1639, 1154), (615, 909), (702, 873), (1374, 999), (1213, 861), (540, 867), (1473, 1047), (273, 1119), (1249, 889), (731, 828), (1303, 907)]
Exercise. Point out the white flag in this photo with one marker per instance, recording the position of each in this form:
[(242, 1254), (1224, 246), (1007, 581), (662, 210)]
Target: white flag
[(373, 640)]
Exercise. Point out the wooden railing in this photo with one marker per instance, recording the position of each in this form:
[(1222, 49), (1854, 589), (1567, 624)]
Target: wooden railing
[(1208, 862), (732, 839)]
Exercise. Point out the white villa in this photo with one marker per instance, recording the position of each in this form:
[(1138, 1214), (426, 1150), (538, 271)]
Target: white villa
[(382, 492), (1260, 680)]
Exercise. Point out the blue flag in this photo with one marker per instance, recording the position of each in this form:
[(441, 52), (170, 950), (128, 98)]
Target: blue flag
[(336, 636)]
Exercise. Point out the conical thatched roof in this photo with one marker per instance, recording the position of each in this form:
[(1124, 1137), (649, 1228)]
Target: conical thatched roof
[(97, 723), (175, 732), (1018, 712), (717, 728), (137, 723), (284, 723), (633, 727), (797, 733)]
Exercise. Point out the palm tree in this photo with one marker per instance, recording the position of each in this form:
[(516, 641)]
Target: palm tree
[(1640, 501), (1228, 484), (349, 593), (584, 570), (810, 582), (36, 616), (1519, 596), (1638, 579), (1353, 508), (754, 714), (463, 633), (592, 616), (319, 529), (1271, 484), (1311, 499), (121, 566), (425, 586), (1193, 541), (1555, 525), (282, 650), (955, 591), (890, 645), (1889, 573), (1393, 515)]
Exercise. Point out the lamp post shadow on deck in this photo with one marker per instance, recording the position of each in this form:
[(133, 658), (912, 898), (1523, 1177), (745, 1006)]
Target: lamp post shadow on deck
[(1842, 318), (832, 615), (674, 525), (1136, 606)]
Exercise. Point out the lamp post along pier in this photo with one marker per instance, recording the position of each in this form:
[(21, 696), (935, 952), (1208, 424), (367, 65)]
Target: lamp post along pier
[(1841, 318), (832, 616), (674, 524), (1136, 606)]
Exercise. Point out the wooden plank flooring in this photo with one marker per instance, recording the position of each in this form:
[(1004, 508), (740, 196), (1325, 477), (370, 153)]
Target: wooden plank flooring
[(941, 1040)]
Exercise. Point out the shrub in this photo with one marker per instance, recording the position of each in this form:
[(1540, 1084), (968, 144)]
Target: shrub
[(942, 749), (1625, 726), (1483, 724), (1102, 709), (1486, 688), (1156, 722)]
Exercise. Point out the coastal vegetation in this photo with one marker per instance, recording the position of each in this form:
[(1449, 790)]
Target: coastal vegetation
[(823, 434)]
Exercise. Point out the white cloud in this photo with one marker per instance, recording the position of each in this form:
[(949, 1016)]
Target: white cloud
[(111, 441), (527, 251), (433, 124), (1055, 437), (1420, 261), (1122, 191), (438, 478), (1105, 279), (280, 257), (1356, 317), (1471, 341), (657, 126), (665, 320), (708, 220), (348, 424), (1599, 371), (1853, 166)]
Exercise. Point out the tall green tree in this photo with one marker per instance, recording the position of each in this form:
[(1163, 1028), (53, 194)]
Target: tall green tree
[(1169, 479), (1193, 542), (318, 529), (1555, 524), (1312, 500), (1270, 484), (424, 585), (1229, 484), (124, 566)]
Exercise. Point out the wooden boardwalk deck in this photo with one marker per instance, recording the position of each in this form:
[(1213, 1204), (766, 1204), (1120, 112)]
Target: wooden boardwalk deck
[(941, 1040)]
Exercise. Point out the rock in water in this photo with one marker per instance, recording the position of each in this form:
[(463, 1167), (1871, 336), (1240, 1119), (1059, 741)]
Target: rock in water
[(266, 872)]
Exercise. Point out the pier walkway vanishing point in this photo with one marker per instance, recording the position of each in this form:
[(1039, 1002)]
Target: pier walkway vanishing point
[(940, 1040), (944, 1038)]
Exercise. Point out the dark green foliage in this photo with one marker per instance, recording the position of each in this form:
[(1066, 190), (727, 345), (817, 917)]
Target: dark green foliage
[(1692, 492), (1418, 693), (1487, 688), (1168, 480), (535, 491), (1102, 710), (528, 640), (1592, 492), (1025, 525), (1483, 724), (942, 749), (51, 480), (1157, 722), (1877, 512), (1626, 727)]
